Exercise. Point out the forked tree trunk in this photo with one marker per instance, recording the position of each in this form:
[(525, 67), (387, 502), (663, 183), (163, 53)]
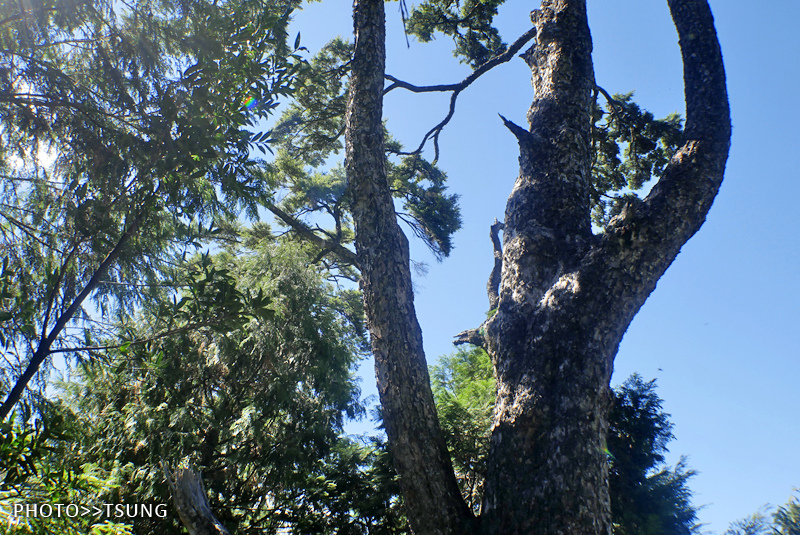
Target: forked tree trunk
[(566, 296)]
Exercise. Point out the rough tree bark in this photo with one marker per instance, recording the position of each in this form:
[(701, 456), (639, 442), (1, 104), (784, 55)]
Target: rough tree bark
[(191, 502), (433, 500), (566, 295)]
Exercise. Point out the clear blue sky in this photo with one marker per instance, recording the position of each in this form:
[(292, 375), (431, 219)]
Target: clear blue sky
[(721, 333)]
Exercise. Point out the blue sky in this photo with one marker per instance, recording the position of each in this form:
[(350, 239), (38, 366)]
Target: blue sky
[(721, 333)]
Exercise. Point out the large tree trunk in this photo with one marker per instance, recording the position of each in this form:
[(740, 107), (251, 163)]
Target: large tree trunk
[(566, 296), (432, 497)]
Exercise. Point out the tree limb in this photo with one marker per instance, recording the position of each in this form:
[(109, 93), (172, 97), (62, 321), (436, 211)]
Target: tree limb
[(470, 336), (477, 336), (678, 203), (474, 75), (44, 350), (614, 103), (523, 136), (298, 226), (165, 334), (434, 132)]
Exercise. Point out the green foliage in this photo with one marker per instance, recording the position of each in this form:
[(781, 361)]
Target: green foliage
[(255, 404), (784, 521), (309, 134), (354, 490), (755, 524), (38, 467), (464, 391), (20, 451), (433, 215), (640, 427), (630, 147), (310, 129), (124, 127), (647, 497), (17, 309), (468, 23), (787, 517)]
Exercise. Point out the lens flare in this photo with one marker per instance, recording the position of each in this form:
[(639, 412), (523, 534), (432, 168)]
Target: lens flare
[(250, 103)]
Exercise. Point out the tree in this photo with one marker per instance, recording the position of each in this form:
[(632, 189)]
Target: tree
[(647, 497), (566, 295), (464, 390), (118, 153), (787, 517), (37, 466), (255, 407), (561, 295), (784, 521)]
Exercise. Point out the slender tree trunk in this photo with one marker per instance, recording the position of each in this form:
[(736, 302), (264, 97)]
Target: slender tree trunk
[(566, 296), (432, 497)]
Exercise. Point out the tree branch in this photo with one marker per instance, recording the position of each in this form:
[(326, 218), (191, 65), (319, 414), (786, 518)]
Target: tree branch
[(677, 205), (44, 350), (52, 298), (523, 136), (640, 244), (434, 132), (470, 336), (477, 336), (298, 226), (165, 334), (614, 103), (474, 75)]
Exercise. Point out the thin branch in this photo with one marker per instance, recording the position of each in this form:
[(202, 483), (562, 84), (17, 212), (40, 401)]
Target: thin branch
[(474, 75), (153, 338), (615, 104), (30, 231), (396, 82), (142, 285), (51, 300), (434, 132), (31, 99)]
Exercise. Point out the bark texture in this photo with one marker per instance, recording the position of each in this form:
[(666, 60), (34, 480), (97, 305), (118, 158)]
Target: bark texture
[(566, 296), (493, 286), (191, 502), (432, 497)]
